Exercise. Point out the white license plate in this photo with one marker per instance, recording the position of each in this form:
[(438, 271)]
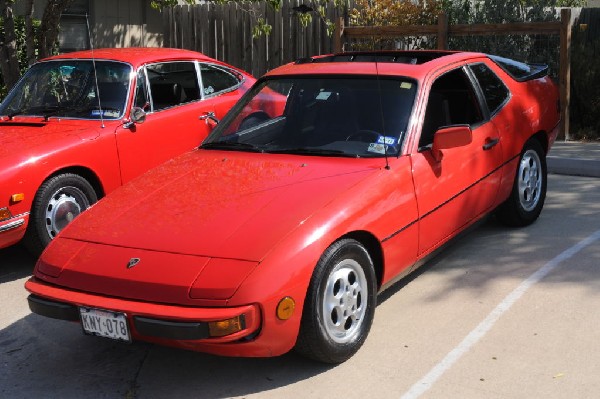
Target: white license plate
[(105, 323)]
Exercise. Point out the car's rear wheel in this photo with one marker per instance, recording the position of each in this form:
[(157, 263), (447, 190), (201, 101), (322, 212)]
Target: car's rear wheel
[(340, 304), (58, 201), (528, 194)]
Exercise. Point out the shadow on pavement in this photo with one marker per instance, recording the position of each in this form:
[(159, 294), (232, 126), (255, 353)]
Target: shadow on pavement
[(44, 357), (15, 263)]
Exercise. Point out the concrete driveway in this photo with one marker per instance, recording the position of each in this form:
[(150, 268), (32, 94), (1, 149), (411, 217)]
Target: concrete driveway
[(503, 313)]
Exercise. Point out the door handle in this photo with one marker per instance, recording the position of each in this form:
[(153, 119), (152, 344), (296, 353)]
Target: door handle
[(490, 143), (209, 116)]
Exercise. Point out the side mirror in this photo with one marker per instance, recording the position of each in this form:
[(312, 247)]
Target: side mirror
[(137, 115), (450, 137)]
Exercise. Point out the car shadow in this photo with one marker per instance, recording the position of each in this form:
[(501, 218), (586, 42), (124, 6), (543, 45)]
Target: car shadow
[(42, 355), (15, 263)]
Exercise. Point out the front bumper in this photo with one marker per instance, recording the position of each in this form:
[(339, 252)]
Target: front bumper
[(147, 327), (13, 230), (172, 325)]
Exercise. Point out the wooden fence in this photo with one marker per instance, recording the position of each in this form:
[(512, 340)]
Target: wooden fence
[(225, 32)]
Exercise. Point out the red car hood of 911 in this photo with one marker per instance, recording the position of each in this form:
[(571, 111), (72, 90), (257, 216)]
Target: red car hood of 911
[(20, 137), (219, 203)]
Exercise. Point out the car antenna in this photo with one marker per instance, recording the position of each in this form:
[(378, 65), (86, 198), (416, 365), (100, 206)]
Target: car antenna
[(385, 153), (87, 22)]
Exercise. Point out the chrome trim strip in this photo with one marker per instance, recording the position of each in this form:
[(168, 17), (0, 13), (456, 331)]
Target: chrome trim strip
[(14, 224)]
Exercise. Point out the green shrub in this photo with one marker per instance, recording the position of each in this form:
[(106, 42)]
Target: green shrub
[(21, 47)]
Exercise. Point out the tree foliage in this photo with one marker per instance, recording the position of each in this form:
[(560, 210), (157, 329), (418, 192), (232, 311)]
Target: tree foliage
[(23, 40), (394, 13)]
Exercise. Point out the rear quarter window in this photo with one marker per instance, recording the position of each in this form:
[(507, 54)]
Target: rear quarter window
[(217, 80), (495, 92)]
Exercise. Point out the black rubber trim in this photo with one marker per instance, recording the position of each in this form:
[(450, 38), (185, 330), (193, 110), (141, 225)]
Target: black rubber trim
[(170, 329), (55, 310)]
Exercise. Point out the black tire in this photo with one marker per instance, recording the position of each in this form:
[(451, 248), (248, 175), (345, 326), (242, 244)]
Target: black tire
[(526, 200), (58, 200), (340, 304)]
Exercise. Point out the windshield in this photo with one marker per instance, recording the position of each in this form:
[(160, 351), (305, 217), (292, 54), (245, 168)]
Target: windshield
[(67, 88), (319, 115)]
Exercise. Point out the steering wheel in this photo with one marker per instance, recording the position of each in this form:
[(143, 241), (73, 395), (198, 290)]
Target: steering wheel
[(366, 135)]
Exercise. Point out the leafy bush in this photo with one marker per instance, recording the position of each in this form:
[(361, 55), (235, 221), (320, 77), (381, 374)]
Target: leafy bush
[(394, 13)]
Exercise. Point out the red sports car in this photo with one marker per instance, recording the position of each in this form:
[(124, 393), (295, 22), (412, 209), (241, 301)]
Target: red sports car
[(73, 129), (280, 230)]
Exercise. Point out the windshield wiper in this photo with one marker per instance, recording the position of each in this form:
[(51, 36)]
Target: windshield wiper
[(313, 151), (45, 111), (49, 111), (15, 113), (231, 146)]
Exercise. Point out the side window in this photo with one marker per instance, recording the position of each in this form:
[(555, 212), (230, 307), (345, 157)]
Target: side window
[(172, 84), (494, 91), (216, 79), (142, 97), (452, 101)]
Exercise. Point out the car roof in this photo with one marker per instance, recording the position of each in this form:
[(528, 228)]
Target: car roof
[(414, 63), (135, 56)]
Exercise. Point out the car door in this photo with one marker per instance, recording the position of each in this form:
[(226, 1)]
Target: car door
[(463, 184), (171, 94)]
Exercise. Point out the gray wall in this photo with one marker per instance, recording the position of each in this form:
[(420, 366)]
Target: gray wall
[(113, 23)]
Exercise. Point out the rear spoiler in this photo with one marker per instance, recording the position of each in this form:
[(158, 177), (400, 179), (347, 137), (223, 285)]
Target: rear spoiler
[(520, 71)]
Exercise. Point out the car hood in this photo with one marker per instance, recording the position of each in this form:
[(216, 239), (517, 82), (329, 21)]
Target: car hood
[(20, 137), (218, 203)]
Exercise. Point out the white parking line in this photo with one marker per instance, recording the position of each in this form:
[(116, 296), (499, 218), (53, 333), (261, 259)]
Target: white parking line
[(478, 332)]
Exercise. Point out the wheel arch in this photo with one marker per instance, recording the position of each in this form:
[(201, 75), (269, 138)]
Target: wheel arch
[(373, 247), (84, 172), (542, 138)]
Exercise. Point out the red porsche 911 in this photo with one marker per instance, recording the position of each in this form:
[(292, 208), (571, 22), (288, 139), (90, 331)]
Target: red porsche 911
[(332, 178), (81, 124)]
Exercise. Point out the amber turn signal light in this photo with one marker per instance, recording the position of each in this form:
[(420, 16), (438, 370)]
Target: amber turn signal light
[(285, 308), (17, 198), (5, 214), (222, 328)]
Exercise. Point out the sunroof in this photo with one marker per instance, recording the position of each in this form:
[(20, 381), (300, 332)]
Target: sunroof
[(400, 57)]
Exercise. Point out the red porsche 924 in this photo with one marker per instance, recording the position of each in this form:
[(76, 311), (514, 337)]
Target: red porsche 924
[(282, 228), (79, 125)]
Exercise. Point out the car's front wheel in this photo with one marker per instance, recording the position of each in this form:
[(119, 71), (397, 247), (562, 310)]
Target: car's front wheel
[(58, 201), (528, 194), (340, 304)]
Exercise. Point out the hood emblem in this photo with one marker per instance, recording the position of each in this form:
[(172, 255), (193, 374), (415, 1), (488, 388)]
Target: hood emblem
[(132, 262)]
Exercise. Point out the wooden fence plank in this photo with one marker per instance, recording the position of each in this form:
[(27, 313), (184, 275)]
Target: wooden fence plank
[(442, 33), (248, 42), (286, 32), (167, 18), (212, 27), (565, 72)]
